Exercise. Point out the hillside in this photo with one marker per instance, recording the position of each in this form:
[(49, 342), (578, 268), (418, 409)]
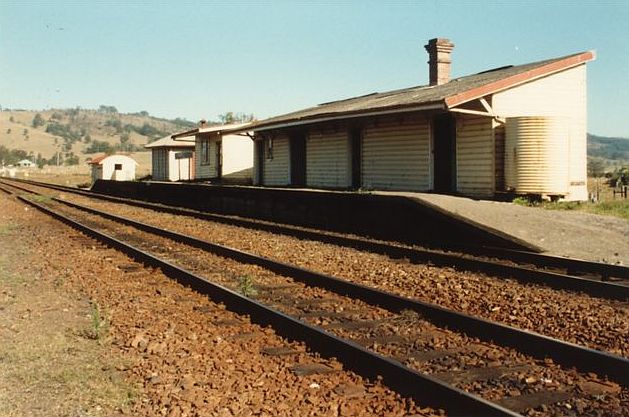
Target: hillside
[(79, 133), (612, 152)]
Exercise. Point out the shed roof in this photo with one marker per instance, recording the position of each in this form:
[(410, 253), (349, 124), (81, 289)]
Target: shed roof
[(101, 158), (444, 96), (228, 128), (169, 142)]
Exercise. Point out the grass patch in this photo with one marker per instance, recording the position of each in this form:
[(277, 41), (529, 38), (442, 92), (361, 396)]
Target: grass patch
[(40, 198), (7, 228), (617, 208)]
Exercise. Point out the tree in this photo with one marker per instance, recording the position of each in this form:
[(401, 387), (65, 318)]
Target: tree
[(8, 131), (107, 109), (595, 167), (38, 121), (124, 140), (231, 117), (40, 161), (25, 132), (11, 119)]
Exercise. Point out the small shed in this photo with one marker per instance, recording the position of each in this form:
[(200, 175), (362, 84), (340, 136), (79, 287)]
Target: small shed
[(113, 168), (25, 163), (221, 155), (172, 160)]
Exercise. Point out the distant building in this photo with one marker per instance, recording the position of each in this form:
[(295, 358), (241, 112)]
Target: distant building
[(515, 129), (25, 163), (113, 167), (172, 160), (220, 155)]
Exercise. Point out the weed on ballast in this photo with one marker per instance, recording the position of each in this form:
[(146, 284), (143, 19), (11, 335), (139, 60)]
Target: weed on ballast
[(99, 323), (246, 286)]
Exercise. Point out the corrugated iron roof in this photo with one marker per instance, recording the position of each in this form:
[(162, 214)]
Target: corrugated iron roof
[(227, 128), (448, 95), (169, 142), (98, 160)]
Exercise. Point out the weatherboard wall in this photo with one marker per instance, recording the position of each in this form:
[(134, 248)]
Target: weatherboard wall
[(159, 164), (328, 159), (475, 173), (276, 165), (563, 95), (396, 154)]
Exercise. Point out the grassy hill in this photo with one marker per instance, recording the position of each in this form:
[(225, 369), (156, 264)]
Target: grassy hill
[(79, 133), (611, 152)]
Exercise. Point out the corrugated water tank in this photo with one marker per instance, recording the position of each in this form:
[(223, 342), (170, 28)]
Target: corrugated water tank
[(537, 155)]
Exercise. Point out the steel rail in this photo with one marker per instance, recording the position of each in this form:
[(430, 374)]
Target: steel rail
[(572, 265), (528, 342), (555, 280), (422, 388)]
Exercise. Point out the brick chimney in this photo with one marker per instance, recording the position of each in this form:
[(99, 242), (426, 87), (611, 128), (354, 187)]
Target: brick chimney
[(439, 50), (202, 123)]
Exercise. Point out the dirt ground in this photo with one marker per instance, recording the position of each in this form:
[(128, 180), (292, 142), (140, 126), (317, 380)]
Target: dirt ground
[(54, 349), (85, 331)]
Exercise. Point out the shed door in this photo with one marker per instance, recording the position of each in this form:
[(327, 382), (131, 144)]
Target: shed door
[(259, 161), (356, 138), (298, 159), (219, 159), (444, 145)]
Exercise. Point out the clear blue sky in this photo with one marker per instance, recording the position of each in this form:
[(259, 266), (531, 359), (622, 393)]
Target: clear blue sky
[(200, 59)]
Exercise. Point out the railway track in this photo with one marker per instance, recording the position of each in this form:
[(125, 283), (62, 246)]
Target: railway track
[(553, 271), (417, 334)]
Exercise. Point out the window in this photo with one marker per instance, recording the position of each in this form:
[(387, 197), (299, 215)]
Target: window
[(205, 151), (118, 167)]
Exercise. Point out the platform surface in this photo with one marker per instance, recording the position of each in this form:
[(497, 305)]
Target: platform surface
[(567, 233)]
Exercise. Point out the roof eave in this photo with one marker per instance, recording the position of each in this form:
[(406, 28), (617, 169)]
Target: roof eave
[(191, 132), (521, 78), (435, 105)]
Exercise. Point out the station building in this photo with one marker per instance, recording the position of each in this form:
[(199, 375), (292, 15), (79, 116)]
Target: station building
[(223, 153), (172, 160), (515, 129)]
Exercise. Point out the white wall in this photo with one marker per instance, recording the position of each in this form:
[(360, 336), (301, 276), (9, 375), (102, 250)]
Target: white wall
[(563, 94), (328, 159), (237, 157), (396, 154), (276, 170), (106, 170), (475, 171)]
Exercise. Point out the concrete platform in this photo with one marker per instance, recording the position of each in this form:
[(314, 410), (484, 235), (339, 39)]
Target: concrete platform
[(388, 217), (566, 233)]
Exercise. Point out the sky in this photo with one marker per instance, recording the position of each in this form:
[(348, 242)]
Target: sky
[(201, 59)]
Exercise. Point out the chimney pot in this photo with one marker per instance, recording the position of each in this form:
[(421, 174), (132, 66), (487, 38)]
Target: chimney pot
[(439, 50)]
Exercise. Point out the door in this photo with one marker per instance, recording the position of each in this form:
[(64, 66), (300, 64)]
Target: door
[(298, 159), (356, 149), (444, 156), (260, 161)]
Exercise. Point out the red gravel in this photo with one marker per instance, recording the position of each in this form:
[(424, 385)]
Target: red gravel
[(470, 353), (576, 318), (188, 356)]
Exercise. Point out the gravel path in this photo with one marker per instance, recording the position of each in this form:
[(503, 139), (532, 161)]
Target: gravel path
[(565, 233)]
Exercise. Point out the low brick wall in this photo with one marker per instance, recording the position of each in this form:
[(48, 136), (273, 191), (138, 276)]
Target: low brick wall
[(386, 217)]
